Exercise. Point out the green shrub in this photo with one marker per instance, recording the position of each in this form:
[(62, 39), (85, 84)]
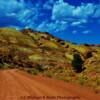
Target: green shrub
[(33, 71), (77, 63)]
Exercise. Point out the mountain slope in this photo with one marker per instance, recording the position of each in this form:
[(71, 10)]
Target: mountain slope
[(39, 52)]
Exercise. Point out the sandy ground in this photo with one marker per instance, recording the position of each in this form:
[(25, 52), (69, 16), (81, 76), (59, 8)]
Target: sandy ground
[(19, 85)]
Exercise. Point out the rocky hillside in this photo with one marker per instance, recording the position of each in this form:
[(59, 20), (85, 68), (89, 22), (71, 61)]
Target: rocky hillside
[(39, 52)]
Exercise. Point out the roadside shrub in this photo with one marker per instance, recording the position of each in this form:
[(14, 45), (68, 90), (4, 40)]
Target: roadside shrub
[(77, 63), (33, 71), (40, 68)]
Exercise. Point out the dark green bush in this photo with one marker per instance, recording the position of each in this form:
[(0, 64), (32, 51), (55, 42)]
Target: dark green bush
[(77, 63)]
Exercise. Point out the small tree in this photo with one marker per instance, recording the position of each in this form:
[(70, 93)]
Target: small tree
[(77, 63)]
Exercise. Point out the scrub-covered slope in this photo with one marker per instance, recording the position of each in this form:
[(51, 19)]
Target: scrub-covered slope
[(39, 52)]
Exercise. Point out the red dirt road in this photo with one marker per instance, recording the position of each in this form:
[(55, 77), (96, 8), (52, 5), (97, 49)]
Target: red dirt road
[(18, 85)]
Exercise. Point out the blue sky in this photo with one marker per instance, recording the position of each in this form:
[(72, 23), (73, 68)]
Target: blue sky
[(73, 20)]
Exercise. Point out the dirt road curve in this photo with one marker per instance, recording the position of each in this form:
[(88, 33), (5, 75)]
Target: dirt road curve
[(18, 85)]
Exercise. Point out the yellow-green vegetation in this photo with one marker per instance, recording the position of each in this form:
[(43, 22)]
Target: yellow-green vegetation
[(35, 57), (80, 48), (69, 56), (49, 44), (12, 36), (23, 49)]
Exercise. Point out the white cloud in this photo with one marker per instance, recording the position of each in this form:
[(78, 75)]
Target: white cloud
[(75, 15), (10, 6), (84, 11), (76, 23), (64, 10), (86, 31), (56, 26), (79, 22), (61, 10), (97, 12)]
